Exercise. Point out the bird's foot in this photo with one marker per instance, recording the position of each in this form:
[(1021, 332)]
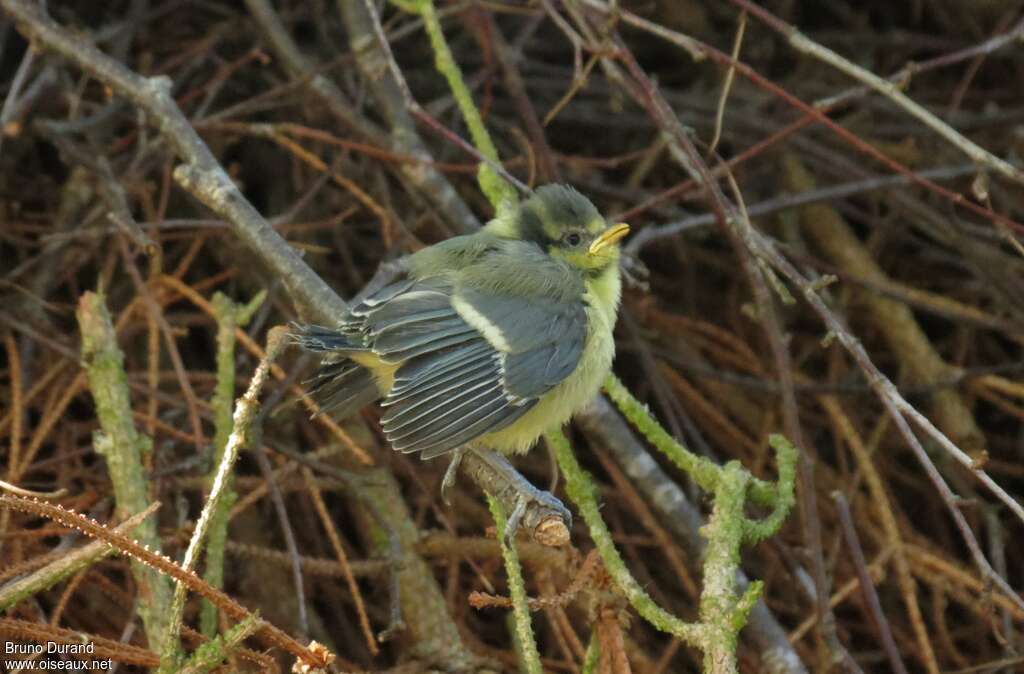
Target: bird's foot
[(538, 511), (542, 501), (451, 474)]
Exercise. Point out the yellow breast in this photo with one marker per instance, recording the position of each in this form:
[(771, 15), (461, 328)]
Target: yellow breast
[(557, 406)]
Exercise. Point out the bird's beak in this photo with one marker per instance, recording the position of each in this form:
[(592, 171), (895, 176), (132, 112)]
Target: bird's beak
[(608, 237)]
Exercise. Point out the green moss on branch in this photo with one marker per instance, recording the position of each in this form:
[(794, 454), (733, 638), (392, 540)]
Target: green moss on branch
[(497, 190), (527, 645), (229, 317), (122, 446), (582, 492)]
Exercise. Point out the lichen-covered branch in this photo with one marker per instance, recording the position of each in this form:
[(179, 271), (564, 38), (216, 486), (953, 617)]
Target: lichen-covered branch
[(122, 446), (229, 317), (497, 190), (602, 424), (718, 600), (583, 493), (784, 497), (723, 612), (517, 591), (245, 411)]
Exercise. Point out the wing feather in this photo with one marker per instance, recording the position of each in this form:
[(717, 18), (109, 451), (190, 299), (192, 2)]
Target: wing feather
[(496, 420), (423, 371), (410, 337), (432, 347), (460, 408), (472, 360), (522, 348), (453, 378), (434, 403), (343, 388)]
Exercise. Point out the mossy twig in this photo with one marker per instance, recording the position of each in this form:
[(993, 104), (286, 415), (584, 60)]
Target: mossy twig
[(527, 645), (229, 316), (123, 447), (723, 614), (583, 493), (703, 471), (593, 655), (784, 492), (497, 190), (215, 652), (68, 564), (245, 411)]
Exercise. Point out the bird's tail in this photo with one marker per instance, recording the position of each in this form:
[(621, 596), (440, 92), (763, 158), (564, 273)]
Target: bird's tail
[(341, 386)]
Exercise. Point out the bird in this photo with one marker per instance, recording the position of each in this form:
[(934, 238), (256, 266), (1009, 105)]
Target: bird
[(486, 340)]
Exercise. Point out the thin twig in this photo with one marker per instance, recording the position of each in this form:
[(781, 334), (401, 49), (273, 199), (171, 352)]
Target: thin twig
[(201, 174), (730, 74), (867, 587), (805, 45), (343, 562), (245, 411), (517, 591)]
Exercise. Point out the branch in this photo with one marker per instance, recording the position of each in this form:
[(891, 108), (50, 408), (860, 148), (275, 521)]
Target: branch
[(200, 173), (888, 89), (245, 411), (517, 592), (123, 446)]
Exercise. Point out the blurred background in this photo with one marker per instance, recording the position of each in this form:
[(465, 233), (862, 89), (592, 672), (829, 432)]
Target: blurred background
[(912, 238)]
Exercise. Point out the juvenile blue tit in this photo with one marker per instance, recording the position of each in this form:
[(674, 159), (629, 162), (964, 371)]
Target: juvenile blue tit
[(490, 339)]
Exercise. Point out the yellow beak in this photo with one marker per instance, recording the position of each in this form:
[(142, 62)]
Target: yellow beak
[(609, 236)]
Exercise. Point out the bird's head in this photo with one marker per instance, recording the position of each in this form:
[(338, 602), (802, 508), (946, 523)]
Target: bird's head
[(566, 225)]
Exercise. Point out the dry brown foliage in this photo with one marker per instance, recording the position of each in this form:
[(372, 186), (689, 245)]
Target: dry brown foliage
[(904, 223)]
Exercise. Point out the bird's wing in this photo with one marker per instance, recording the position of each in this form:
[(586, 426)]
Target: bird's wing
[(472, 361)]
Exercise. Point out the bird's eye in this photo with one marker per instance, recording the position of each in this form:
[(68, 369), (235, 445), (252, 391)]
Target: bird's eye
[(573, 239)]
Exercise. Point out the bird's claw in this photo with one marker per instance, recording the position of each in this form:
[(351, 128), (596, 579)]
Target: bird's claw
[(540, 512), (451, 474), (512, 525), (545, 500)]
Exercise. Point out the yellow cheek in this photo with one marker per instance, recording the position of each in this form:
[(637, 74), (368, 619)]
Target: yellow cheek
[(577, 258), (581, 259)]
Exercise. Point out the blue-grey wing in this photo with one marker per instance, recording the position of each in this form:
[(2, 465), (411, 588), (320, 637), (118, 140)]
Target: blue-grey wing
[(470, 362), (491, 359), (541, 339)]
